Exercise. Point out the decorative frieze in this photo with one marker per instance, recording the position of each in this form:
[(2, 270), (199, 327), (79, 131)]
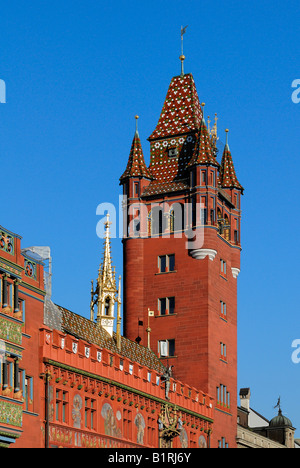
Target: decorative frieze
[(10, 331), (30, 268), (7, 242), (10, 413)]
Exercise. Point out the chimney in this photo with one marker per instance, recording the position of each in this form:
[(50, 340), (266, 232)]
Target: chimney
[(245, 398)]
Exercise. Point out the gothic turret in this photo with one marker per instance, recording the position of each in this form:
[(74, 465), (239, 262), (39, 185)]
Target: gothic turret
[(106, 293), (136, 166), (203, 153), (227, 175)]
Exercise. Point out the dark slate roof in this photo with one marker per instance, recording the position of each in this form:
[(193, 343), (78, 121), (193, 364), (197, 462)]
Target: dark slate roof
[(280, 421), (87, 330)]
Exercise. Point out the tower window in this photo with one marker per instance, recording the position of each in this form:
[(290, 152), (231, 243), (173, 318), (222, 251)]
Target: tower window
[(107, 306), (223, 351), (166, 348), (172, 152), (223, 310), (166, 305), (155, 221), (171, 260), (222, 443), (136, 189), (162, 263), (223, 397), (223, 267), (176, 217), (166, 263)]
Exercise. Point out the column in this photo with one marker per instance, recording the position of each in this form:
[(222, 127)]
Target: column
[(4, 292), (16, 296)]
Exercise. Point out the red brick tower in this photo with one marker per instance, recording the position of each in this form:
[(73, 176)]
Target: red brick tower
[(182, 252)]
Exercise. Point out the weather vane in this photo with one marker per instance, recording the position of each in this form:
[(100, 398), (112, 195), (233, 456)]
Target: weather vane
[(182, 57)]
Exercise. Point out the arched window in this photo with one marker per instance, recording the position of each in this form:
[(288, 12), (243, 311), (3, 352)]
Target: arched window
[(107, 306), (172, 220), (149, 221), (155, 221), (176, 217), (226, 231)]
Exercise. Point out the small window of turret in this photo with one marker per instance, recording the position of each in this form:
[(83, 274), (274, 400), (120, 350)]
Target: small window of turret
[(172, 152)]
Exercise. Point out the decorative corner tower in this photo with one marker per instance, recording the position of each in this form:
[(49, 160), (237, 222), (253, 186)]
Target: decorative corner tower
[(106, 293), (182, 251)]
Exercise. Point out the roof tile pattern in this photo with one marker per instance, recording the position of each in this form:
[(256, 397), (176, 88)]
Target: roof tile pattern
[(136, 166), (181, 111), (169, 173), (85, 329), (227, 175)]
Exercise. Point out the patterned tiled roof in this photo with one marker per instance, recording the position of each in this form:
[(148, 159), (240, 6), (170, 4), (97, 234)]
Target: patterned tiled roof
[(169, 172), (181, 112), (203, 153), (85, 329), (164, 187), (227, 175), (136, 166)]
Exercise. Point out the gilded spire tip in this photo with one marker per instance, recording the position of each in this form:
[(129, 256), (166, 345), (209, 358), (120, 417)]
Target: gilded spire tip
[(226, 130), (136, 125)]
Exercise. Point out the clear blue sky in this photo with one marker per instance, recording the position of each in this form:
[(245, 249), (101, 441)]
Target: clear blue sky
[(77, 72)]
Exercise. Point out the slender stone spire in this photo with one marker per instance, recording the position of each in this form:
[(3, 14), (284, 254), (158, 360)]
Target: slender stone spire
[(106, 273), (106, 293)]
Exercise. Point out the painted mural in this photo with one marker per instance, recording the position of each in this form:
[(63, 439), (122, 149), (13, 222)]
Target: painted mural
[(202, 442), (76, 411), (111, 422), (140, 424)]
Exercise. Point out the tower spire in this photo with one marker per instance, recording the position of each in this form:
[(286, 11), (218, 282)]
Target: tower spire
[(227, 175), (107, 273), (106, 291), (136, 166)]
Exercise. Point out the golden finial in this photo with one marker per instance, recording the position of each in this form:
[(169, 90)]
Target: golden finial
[(226, 130), (203, 104), (136, 125)]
